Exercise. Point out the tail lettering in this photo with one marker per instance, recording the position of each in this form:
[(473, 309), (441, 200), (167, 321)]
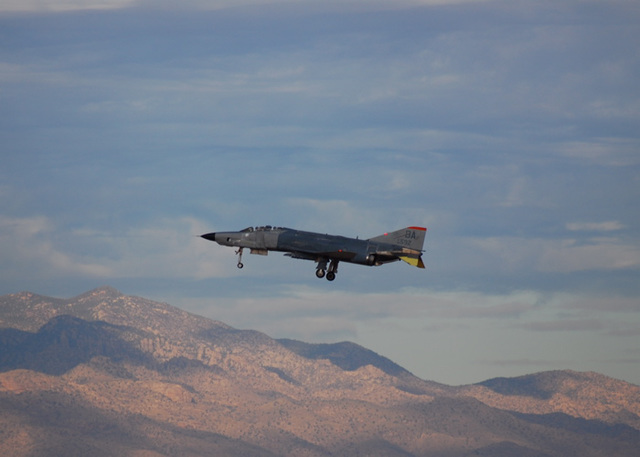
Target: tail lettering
[(410, 237), (407, 244)]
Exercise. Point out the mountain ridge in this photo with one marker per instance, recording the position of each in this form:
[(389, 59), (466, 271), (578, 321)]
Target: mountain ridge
[(339, 354), (173, 383)]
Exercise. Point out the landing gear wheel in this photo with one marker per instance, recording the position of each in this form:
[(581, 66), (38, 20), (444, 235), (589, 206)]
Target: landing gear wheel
[(333, 269), (320, 273), (239, 254)]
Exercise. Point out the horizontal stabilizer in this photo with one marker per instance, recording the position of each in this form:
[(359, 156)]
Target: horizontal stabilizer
[(415, 261)]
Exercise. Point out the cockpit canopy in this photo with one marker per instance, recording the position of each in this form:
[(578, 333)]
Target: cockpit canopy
[(264, 228)]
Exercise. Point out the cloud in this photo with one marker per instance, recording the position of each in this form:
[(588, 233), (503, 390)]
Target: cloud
[(509, 129), (28, 250), (625, 330), (425, 329), (616, 152), (321, 315), (557, 255), (607, 226), (339, 217), (80, 5), (165, 248), (601, 303), (571, 325), (527, 363), (599, 254), (62, 5)]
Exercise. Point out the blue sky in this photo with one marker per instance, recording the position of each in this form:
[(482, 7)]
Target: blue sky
[(509, 128)]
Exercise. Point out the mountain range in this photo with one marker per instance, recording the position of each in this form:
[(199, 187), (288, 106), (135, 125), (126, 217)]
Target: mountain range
[(106, 374)]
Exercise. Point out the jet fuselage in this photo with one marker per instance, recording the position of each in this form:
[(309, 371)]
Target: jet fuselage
[(403, 244)]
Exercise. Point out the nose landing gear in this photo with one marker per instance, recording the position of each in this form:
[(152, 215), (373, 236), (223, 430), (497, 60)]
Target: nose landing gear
[(239, 253)]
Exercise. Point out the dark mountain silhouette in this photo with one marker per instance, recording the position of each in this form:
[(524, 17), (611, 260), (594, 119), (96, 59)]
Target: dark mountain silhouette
[(542, 385), (346, 355), (106, 374), (63, 343)]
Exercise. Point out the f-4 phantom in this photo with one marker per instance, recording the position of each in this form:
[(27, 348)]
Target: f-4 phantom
[(327, 250)]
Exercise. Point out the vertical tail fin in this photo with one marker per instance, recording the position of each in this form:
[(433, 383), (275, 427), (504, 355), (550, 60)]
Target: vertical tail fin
[(409, 242), (410, 237)]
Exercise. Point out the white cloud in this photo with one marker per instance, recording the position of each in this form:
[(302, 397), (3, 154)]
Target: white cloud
[(528, 364), (604, 254), (571, 325), (554, 255), (617, 152), (425, 329), (62, 5), (166, 248), (170, 248), (606, 226), (589, 304), (76, 5), (27, 250), (339, 217), (124, 124), (318, 314)]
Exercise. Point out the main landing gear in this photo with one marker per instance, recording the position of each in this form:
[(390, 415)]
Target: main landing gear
[(330, 273), (239, 253)]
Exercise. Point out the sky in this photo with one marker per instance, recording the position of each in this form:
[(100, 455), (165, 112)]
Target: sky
[(511, 129)]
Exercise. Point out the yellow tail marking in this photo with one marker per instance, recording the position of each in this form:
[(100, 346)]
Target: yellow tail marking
[(415, 261)]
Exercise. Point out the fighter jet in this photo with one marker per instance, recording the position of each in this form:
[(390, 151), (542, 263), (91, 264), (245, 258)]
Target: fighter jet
[(327, 250)]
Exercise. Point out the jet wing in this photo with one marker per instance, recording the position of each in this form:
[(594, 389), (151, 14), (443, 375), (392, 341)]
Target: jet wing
[(338, 255)]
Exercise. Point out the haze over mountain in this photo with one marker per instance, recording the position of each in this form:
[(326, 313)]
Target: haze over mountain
[(106, 374)]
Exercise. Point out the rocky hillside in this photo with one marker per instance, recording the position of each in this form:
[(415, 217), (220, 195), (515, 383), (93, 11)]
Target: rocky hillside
[(106, 374)]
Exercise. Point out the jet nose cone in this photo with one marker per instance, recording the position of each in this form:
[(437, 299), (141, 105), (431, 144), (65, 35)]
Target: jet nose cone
[(209, 236)]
